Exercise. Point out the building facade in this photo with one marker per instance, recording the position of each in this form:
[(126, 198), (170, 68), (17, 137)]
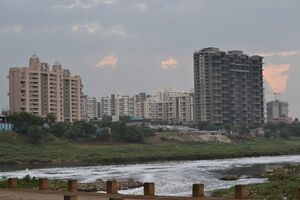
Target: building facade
[(90, 108), (39, 90), (228, 87), (118, 106), (278, 111), (169, 106), (165, 106)]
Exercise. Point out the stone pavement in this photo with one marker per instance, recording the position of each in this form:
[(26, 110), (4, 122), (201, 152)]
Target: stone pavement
[(22, 194)]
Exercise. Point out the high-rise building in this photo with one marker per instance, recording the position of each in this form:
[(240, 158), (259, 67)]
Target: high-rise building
[(228, 87), (117, 105), (90, 107), (39, 90), (105, 106), (139, 105), (168, 105), (277, 111)]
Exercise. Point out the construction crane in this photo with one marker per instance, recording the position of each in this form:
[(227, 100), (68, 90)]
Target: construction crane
[(276, 94)]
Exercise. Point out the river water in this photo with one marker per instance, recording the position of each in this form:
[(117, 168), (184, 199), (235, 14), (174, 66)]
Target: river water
[(171, 178)]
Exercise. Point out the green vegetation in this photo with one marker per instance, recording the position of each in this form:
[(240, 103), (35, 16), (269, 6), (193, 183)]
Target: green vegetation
[(52, 151), (35, 128), (282, 130), (39, 141), (283, 183), (29, 182)]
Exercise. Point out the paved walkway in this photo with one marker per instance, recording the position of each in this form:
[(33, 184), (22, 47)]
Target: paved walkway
[(19, 194)]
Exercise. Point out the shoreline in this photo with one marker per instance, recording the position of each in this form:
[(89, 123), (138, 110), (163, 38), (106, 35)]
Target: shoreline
[(43, 165), (18, 154)]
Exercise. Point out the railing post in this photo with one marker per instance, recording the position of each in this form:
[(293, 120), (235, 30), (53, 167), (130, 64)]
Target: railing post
[(149, 189), (240, 192), (198, 190), (43, 184), (12, 183), (70, 197), (72, 185), (112, 187)]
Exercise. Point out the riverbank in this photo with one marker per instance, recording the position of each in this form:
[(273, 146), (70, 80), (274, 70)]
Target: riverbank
[(32, 183), (283, 183), (16, 152)]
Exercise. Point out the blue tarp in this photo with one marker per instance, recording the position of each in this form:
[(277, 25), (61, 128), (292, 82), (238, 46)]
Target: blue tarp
[(6, 127)]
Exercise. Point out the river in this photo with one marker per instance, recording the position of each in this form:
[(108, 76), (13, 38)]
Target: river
[(171, 178)]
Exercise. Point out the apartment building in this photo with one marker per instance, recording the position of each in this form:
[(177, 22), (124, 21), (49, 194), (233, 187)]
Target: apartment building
[(90, 108), (167, 105), (228, 87), (39, 90), (139, 105), (105, 106), (123, 105)]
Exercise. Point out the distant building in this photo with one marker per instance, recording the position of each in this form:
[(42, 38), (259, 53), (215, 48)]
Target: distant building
[(119, 106), (278, 111), (90, 107), (168, 105), (105, 106), (139, 105), (165, 106), (39, 90), (228, 87)]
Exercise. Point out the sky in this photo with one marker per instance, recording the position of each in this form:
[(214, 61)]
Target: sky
[(132, 46)]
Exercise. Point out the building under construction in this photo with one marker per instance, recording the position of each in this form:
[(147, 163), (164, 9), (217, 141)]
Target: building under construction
[(228, 87)]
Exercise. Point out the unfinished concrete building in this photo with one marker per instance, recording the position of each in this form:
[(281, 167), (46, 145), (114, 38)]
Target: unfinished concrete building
[(228, 87)]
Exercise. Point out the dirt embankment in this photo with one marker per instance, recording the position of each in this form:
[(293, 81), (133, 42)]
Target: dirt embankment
[(192, 137)]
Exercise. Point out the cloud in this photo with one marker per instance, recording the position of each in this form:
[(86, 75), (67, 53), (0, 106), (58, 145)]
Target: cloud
[(142, 6), (107, 61), (11, 29), (276, 76), (169, 63), (96, 28), (279, 53), (84, 4)]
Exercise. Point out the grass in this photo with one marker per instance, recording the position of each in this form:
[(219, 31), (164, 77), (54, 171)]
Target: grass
[(16, 150), (281, 184), (33, 183)]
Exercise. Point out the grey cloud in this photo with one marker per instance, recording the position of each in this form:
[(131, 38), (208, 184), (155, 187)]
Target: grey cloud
[(83, 4), (144, 33), (96, 28)]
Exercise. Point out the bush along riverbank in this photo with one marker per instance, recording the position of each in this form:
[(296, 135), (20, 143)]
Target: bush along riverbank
[(28, 182), (17, 153), (282, 183)]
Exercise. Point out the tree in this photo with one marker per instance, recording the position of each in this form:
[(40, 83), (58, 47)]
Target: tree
[(50, 119), (284, 133), (59, 129), (34, 134), (206, 126), (22, 121)]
